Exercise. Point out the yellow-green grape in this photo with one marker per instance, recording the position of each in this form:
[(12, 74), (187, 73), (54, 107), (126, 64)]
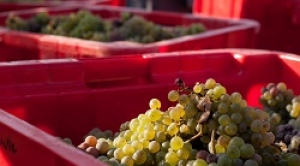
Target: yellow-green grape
[(175, 113), (218, 91), (145, 142), (144, 121), (257, 125), (160, 156), (139, 157), (176, 143), (199, 162), (149, 134), (236, 118), (247, 151), (184, 100), (236, 141), (159, 127), (166, 120), (293, 160), (235, 97), (141, 136), (160, 136), (141, 117), (224, 140), (267, 95), (149, 126), (281, 86), (154, 114), (243, 103), (219, 148), (222, 108), (127, 160), (296, 106), (225, 99), (173, 95), (210, 83), (172, 158), (119, 142), (272, 102), (128, 149), (184, 129), (233, 152), (140, 128), (133, 125), (137, 145), (154, 104), (181, 109), (154, 146), (197, 88), (191, 111), (128, 134), (294, 113), (134, 136), (183, 153), (173, 129), (224, 120), (165, 146), (231, 129), (119, 154)]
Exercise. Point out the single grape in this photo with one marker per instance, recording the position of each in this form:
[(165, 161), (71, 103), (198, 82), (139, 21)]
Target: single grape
[(139, 157), (171, 158), (173, 95), (233, 152), (247, 151), (176, 143), (154, 146)]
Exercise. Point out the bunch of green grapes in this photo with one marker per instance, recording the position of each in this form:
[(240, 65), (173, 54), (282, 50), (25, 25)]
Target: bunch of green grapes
[(205, 126), (83, 24), (16, 23)]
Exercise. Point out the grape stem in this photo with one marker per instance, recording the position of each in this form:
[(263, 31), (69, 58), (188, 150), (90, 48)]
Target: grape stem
[(197, 135), (212, 140)]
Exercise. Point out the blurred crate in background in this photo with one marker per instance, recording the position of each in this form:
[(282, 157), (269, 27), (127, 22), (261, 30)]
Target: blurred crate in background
[(15, 6), (135, 78), (183, 6), (220, 33), (279, 19), (114, 90)]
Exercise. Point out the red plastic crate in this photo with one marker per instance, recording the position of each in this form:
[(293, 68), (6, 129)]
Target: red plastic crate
[(221, 33), (116, 94), (14, 6), (24, 144), (279, 19)]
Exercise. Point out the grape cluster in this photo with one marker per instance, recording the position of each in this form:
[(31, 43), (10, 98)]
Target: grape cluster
[(275, 98), (86, 25), (205, 127)]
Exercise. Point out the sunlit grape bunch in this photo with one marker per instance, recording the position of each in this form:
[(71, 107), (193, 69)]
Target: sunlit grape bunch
[(205, 126)]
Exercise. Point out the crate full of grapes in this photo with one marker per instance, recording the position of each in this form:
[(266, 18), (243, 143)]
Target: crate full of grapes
[(82, 32), (216, 107)]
